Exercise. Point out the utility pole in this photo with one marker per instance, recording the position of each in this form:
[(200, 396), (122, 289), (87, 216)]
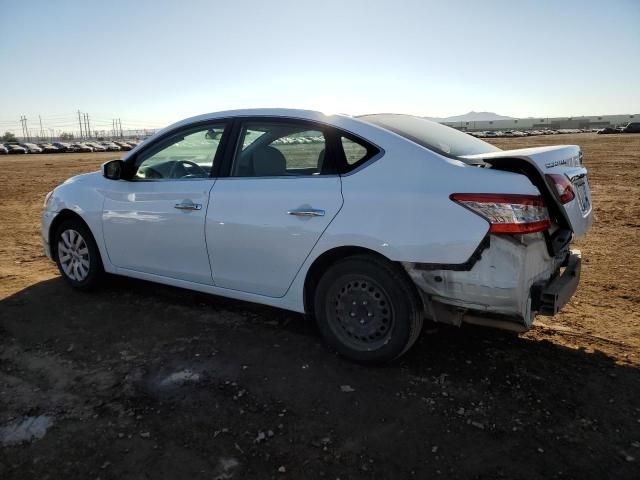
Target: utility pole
[(121, 134), (41, 130), (113, 127), (25, 129), (87, 130), (80, 123)]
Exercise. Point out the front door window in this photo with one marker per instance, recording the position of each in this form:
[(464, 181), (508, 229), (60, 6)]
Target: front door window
[(182, 157)]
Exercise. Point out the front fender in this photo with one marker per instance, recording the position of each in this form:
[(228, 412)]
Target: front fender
[(81, 196)]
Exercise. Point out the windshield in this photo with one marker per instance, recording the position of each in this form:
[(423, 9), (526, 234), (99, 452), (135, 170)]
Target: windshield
[(434, 136)]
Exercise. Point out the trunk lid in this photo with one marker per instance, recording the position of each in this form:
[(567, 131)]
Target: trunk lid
[(565, 160)]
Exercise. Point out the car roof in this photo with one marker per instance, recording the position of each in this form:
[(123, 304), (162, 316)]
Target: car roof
[(260, 112), (338, 120)]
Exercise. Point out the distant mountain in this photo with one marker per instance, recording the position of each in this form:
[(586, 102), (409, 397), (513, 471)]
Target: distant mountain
[(470, 117)]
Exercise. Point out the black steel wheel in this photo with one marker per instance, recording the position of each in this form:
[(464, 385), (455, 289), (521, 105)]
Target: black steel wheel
[(367, 309), (363, 315)]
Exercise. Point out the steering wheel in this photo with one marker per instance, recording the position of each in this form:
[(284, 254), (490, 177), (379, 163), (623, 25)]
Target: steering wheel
[(182, 166)]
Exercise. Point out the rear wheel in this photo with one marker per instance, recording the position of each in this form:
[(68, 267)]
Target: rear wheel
[(367, 309), (77, 255)]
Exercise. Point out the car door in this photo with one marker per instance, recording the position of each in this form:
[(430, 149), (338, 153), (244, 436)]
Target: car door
[(154, 221), (265, 216)]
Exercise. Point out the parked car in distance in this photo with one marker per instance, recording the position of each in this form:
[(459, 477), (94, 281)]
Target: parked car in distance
[(31, 147), (3, 150), (124, 146), (111, 147), (81, 147), (380, 222), (632, 127), (14, 148), (48, 148), (63, 147), (96, 147), (608, 130)]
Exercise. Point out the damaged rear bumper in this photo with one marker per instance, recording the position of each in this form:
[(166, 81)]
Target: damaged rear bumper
[(512, 280), (547, 298)]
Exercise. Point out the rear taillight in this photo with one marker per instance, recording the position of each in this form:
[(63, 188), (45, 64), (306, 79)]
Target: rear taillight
[(563, 187), (507, 213)]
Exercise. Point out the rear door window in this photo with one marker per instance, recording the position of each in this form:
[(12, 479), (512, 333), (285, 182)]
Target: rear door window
[(280, 148), (355, 152)]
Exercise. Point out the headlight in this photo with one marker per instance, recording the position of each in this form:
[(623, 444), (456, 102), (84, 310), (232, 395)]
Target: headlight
[(46, 199)]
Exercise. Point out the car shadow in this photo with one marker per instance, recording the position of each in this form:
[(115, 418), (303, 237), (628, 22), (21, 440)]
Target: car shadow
[(464, 401)]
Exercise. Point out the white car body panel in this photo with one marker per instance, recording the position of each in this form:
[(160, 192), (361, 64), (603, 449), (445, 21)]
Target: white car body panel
[(81, 195), (143, 230), (254, 244), (242, 243), (415, 220)]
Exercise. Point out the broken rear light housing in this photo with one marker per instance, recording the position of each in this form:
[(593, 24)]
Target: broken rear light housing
[(507, 213), (563, 187)]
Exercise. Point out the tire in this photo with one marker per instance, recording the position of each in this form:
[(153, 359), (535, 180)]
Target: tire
[(367, 309), (77, 255)]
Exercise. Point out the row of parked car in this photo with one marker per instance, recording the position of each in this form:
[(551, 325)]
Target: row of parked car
[(64, 147), (633, 127), (526, 133)]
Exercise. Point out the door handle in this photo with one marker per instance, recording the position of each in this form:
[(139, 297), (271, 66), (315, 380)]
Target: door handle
[(306, 212), (188, 206)]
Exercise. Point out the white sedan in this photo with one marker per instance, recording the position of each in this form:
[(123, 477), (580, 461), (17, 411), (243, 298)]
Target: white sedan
[(369, 224)]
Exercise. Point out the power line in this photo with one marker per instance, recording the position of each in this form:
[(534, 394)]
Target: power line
[(49, 125)]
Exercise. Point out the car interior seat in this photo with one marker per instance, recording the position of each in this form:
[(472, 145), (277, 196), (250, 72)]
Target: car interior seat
[(268, 161)]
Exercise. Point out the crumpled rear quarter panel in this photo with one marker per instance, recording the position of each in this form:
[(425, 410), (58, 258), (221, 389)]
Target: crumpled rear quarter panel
[(499, 283)]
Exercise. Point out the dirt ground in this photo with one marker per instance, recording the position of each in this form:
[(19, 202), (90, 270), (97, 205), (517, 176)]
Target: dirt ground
[(139, 380)]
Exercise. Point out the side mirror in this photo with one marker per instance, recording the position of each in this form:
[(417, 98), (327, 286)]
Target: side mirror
[(113, 169)]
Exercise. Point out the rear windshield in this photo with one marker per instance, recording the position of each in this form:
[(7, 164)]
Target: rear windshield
[(434, 136)]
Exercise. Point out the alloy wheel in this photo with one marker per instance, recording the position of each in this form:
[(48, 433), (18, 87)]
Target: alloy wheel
[(73, 254)]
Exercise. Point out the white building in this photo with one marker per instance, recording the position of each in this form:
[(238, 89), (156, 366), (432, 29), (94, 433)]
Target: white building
[(553, 123)]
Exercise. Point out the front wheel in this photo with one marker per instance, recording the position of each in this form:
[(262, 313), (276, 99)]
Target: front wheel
[(367, 309), (77, 255)]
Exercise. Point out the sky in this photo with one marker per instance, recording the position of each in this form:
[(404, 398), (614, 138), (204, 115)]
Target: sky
[(151, 63)]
